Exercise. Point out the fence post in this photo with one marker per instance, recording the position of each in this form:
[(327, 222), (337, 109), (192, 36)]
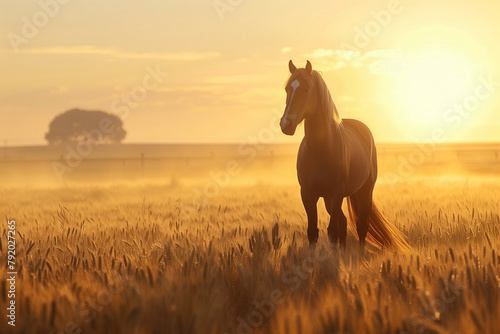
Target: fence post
[(433, 160), (142, 164)]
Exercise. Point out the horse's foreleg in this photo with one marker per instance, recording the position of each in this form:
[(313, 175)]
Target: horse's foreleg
[(310, 202), (342, 228), (333, 230), (337, 229)]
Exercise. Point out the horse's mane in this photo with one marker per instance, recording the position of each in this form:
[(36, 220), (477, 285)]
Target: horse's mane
[(326, 105), (325, 101)]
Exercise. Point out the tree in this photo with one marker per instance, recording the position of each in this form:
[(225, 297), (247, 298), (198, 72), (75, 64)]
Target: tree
[(77, 125)]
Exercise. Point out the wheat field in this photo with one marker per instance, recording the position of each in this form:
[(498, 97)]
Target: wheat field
[(132, 258)]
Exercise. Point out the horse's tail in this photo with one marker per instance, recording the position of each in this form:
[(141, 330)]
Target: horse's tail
[(381, 233)]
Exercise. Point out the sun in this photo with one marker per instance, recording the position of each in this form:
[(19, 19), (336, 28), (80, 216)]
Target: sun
[(430, 82)]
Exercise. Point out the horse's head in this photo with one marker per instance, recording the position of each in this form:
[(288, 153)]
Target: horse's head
[(299, 97)]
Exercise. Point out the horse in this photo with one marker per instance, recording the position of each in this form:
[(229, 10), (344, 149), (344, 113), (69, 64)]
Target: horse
[(337, 159)]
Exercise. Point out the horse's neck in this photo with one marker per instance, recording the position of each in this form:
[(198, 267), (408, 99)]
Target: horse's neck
[(321, 130)]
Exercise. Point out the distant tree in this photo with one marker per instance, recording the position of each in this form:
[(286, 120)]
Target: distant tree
[(77, 125)]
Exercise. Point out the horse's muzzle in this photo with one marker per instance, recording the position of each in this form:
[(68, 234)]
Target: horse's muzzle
[(287, 126)]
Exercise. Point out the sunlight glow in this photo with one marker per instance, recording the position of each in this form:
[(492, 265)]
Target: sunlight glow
[(432, 81)]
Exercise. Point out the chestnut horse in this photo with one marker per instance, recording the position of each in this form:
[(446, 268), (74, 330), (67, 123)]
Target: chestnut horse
[(336, 159)]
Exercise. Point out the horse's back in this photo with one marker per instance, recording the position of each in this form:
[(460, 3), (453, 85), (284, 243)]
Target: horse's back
[(361, 131)]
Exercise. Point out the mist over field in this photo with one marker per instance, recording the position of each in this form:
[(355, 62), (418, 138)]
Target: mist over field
[(224, 164), (212, 239)]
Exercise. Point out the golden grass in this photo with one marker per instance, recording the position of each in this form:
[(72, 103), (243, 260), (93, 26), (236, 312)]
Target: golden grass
[(127, 259)]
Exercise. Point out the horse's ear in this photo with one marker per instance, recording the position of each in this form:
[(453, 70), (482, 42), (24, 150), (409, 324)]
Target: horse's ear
[(291, 66), (309, 67)]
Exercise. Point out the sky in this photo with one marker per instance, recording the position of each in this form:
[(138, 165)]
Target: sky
[(214, 71)]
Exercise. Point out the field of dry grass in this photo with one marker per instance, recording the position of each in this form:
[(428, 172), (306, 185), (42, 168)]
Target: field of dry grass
[(139, 259)]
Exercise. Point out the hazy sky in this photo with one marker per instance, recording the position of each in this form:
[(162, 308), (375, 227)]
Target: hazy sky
[(406, 68)]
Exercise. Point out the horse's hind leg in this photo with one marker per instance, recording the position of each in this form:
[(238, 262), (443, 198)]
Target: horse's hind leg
[(310, 202), (363, 203), (337, 229), (333, 226)]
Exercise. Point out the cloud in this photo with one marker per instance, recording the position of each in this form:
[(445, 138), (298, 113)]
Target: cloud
[(92, 50), (383, 53), (375, 60), (237, 79), (59, 90), (192, 88), (286, 49), (320, 53)]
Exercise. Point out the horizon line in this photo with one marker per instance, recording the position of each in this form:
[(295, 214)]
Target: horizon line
[(5, 146)]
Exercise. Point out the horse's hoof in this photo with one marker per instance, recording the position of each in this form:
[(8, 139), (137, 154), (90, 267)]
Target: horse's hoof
[(313, 242)]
